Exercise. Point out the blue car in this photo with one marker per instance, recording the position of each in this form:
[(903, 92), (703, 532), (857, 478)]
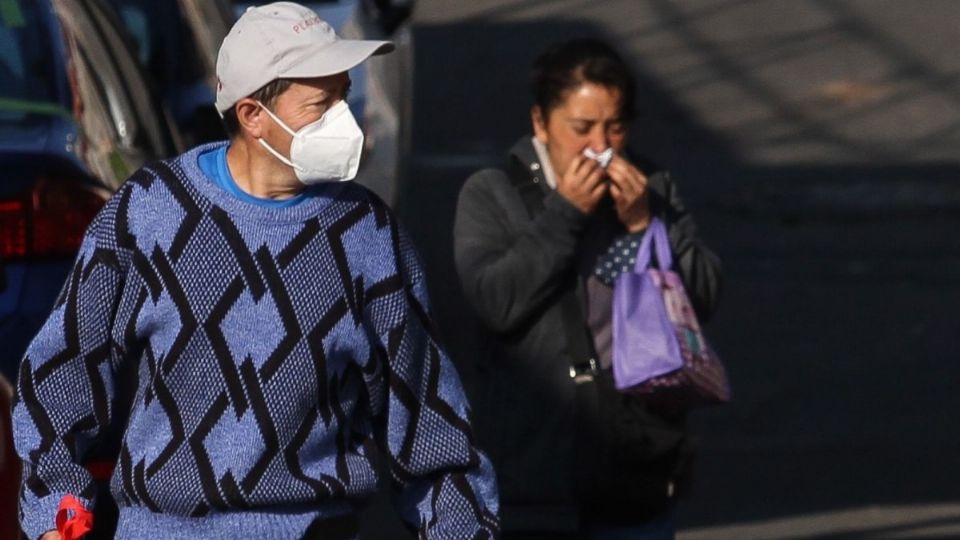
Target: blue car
[(77, 116)]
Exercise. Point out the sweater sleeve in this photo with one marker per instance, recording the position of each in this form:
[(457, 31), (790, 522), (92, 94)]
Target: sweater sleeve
[(444, 486), (509, 272), (65, 386)]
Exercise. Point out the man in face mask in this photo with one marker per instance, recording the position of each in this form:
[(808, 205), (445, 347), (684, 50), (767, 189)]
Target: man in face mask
[(282, 85), (246, 335)]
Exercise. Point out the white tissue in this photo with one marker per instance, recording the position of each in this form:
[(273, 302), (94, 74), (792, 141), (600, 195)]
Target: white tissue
[(603, 158)]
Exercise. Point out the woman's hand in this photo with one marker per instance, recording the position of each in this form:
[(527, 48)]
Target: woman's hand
[(582, 184), (628, 187)]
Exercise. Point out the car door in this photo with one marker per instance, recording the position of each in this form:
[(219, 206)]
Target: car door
[(123, 124)]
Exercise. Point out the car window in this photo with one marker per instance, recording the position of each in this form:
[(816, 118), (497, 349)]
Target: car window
[(28, 91), (24, 50), (120, 133), (99, 148), (102, 69), (114, 73), (209, 21), (149, 132), (163, 42)]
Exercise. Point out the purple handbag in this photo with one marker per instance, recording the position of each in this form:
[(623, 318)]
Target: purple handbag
[(659, 352)]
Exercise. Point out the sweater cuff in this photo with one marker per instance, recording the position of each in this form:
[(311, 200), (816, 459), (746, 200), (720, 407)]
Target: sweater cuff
[(40, 514)]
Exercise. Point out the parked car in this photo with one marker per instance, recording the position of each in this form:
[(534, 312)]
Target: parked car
[(381, 91), (77, 116), (177, 42)]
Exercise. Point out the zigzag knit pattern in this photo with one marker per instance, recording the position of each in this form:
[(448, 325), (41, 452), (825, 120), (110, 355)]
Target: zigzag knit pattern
[(251, 365)]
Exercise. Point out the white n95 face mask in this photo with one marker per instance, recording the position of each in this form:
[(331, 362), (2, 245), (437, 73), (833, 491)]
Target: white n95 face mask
[(327, 150)]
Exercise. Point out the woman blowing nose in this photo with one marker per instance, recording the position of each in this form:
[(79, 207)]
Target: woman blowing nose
[(538, 246)]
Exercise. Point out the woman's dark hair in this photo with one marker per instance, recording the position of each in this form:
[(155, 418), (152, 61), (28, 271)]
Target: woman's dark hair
[(565, 66), (267, 94)]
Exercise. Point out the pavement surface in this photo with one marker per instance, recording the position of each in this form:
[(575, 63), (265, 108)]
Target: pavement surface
[(818, 144)]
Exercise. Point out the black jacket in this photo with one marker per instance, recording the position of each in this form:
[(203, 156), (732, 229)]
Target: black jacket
[(563, 452)]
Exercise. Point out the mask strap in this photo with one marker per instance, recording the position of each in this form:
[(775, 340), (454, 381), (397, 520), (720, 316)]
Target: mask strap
[(269, 148), (277, 120), (278, 155)]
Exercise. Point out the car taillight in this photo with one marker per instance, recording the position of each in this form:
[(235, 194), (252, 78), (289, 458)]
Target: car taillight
[(47, 221)]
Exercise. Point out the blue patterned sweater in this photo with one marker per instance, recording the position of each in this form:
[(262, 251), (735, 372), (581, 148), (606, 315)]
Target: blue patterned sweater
[(246, 369)]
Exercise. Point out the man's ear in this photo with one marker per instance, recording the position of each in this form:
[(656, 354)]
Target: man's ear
[(249, 116), (539, 124)]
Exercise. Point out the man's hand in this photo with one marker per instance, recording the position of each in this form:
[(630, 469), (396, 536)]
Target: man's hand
[(582, 184), (628, 187), (51, 535)]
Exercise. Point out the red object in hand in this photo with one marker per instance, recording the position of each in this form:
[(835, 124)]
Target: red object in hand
[(73, 519)]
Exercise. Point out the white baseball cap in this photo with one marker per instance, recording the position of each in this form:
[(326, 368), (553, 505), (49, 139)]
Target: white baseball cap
[(283, 40)]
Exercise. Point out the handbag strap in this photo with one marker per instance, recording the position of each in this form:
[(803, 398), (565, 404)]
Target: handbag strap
[(578, 339), (655, 239)]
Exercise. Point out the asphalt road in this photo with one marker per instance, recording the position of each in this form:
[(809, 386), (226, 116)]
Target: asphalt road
[(817, 143)]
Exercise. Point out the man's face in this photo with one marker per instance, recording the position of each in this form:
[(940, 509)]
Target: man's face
[(303, 102), (588, 117)]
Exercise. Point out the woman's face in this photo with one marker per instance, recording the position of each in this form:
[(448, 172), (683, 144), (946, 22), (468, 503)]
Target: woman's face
[(588, 117)]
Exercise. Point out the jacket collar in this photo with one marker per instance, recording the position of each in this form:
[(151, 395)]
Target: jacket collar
[(525, 159), (525, 155)]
